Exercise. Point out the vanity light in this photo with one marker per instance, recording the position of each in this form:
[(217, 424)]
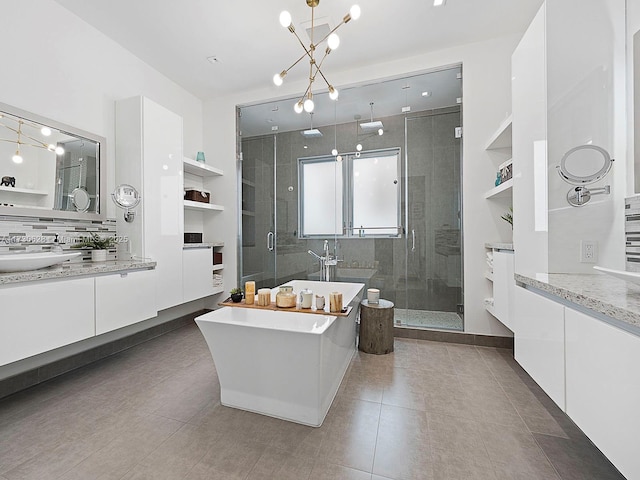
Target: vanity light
[(333, 42)]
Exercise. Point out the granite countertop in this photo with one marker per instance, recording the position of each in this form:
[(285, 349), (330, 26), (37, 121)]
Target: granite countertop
[(76, 270), (499, 246), (609, 296), (202, 245)]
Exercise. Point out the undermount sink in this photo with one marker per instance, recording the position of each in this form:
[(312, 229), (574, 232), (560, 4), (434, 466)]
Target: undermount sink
[(621, 274), (23, 262)]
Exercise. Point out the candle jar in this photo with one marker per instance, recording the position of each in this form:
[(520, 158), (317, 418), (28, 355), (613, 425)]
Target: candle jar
[(285, 298), (249, 292), (264, 297)]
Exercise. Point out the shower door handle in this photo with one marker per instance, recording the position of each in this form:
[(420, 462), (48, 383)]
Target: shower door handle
[(270, 238), (413, 240)]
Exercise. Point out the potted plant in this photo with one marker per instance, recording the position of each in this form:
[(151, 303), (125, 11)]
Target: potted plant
[(236, 295), (98, 245)]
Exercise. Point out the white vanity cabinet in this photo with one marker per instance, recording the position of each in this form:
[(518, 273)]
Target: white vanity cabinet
[(197, 264), (539, 341), (603, 387), (37, 317), (124, 299), (503, 286), (149, 157)]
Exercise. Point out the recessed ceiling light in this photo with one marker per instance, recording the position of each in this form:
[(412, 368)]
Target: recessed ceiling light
[(213, 59), (439, 3), (426, 94)]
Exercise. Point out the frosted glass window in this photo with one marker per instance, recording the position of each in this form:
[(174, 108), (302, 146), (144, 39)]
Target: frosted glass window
[(321, 197), (375, 204)]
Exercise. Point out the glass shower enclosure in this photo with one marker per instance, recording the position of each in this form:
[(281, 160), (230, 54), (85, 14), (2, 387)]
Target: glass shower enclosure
[(390, 210)]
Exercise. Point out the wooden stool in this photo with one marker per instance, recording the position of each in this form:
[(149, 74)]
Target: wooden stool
[(376, 327)]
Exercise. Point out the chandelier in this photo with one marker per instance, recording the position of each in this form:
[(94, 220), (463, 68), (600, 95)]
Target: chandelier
[(23, 138), (333, 41)]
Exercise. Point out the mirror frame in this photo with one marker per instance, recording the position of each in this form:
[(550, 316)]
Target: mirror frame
[(102, 172)]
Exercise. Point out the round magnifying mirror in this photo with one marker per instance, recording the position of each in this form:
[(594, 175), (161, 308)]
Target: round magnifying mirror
[(126, 196), (80, 199), (584, 164)]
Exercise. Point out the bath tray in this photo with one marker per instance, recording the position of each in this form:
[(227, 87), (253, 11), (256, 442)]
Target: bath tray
[(229, 303)]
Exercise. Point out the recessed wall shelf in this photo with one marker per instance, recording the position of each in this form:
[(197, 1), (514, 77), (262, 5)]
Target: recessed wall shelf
[(502, 137), (200, 169), (502, 190), (200, 206), (26, 191)]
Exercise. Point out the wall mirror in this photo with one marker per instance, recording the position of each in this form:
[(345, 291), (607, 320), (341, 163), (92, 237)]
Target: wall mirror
[(49, 169), (636, 107)]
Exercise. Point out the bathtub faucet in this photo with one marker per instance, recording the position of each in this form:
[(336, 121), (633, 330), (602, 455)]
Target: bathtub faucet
[(326, 261)]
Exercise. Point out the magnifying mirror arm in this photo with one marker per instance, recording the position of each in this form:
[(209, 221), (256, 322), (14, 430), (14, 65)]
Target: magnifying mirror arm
[(580, 196)]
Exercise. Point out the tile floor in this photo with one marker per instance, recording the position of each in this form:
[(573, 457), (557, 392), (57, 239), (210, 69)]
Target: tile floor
[(428, 411), (428, 319)]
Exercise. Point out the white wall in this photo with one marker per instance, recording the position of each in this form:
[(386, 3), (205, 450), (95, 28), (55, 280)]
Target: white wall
[(586, 99), (487, 101), (58, 66), (633, 27)]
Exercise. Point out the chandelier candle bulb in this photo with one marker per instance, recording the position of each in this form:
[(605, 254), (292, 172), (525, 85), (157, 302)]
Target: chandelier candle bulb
[(373, 296), (249, 292), (335, 302)]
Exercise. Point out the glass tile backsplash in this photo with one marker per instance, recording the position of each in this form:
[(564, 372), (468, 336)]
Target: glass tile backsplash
[(38, 234)]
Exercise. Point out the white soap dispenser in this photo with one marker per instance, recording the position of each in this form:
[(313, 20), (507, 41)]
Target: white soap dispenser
[(56, 246)]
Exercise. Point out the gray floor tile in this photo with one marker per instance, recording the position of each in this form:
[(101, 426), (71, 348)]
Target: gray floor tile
[(123, 453), (403, 449), (577, 460), (227, 460), (427, 411), (515, 453), (328, 471), (277, 464)]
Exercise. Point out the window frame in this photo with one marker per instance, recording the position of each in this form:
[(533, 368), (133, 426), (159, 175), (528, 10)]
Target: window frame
[(348, 179)]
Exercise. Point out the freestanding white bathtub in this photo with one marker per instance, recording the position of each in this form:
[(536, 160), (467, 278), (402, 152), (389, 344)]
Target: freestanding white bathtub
[(283, 364)]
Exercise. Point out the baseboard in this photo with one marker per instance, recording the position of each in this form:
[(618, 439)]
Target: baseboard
[(453, 337), (29, 378)]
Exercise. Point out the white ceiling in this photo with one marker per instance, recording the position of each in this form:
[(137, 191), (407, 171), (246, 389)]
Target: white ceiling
[(176, 37)]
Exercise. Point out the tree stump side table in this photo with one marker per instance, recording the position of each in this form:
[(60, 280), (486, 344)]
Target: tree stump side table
[(376, 327)]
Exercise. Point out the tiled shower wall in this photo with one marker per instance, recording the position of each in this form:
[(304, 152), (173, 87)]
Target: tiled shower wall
[(38, 234), (428, 278)]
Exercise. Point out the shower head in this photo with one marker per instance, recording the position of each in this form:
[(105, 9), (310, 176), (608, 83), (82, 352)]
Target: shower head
[(311, 133), (370, 126)]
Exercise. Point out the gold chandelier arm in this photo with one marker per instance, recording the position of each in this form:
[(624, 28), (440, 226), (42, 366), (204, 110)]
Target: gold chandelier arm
[(9, 128), (318, 69), (8, 141), (296, 62), (306, 51), (40, 144)]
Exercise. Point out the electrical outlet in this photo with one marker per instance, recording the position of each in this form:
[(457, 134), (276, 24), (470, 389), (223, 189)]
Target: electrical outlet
[(588, 251)]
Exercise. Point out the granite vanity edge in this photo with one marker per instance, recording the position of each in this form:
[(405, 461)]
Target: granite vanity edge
[(188, 246), (590, 302), (499, 246), (76, 270)]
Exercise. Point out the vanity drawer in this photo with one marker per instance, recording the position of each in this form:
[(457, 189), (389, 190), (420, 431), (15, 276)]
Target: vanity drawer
[(41, 316)]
